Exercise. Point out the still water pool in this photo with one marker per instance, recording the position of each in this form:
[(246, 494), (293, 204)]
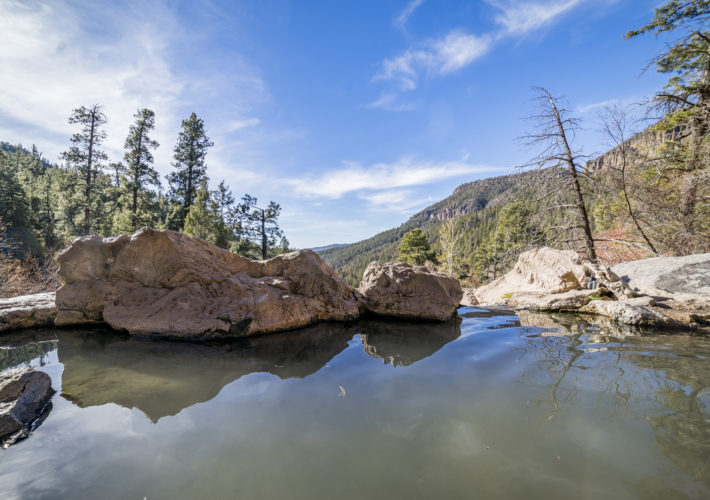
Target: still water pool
[(498, 406)]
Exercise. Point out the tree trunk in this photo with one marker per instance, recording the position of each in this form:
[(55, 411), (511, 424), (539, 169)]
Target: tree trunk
[(136, 180), (87, 191), (263, 235), (581, 208)]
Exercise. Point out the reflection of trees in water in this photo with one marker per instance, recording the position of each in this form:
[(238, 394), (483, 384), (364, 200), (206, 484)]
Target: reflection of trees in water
[(682, 430), (628, 372)]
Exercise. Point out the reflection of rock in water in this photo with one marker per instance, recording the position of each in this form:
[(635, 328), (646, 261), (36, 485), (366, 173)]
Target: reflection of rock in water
[(404, 343), (162, 378), (556, 324)]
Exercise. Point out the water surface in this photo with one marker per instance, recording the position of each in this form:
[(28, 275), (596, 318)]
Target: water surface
[(498, 406)]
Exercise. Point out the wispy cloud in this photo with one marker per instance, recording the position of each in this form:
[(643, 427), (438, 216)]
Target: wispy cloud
[(403, 201), (388, 101), (235, 125), (437, 57), (60, 56), (355, 178), (521, 17), (458, 49), (401, 20)]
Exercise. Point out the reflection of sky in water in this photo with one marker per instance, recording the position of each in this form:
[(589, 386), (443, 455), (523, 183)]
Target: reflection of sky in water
[(494, 410)]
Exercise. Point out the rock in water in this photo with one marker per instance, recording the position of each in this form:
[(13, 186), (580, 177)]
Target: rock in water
[(398, 289), (27, 311), (24, 395), (541, 271), (171, 285)]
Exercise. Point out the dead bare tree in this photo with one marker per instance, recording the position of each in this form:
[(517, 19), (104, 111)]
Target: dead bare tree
[(616, 127), (560, 168)]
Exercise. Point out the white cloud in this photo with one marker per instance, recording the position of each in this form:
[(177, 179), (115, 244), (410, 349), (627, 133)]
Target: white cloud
[(437, 57), (458, 49), (521, 17), (382, 176), (60, 56), (401, 21), (388, 101), (403, 201), (235, 125)]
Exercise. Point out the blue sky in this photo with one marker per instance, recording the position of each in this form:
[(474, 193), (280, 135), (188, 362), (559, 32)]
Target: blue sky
[(351, 114)]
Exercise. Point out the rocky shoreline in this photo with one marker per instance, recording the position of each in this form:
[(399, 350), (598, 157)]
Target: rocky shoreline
[(168, 285), (670, 293)]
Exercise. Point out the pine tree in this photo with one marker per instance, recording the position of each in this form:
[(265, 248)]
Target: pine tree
[(85, 157), (190, 168), (140, 174), (415, 248), (685, 101), (201, 221)]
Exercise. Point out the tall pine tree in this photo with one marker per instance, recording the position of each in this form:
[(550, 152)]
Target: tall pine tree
[(140, 174), (190, 168), (85, 157)]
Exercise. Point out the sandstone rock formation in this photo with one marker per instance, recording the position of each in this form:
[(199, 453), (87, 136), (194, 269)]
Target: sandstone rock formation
[(541, 271), (27, 311), (401, 290), (24, 397), (556, 280), (167, 284), (680, 278)]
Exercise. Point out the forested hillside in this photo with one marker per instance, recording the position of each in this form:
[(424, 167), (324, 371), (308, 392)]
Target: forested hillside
[(475, 204), (44, 205)]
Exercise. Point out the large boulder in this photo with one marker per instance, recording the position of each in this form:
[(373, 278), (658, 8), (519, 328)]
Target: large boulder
[(401, 290), (24, 397), (541, 271), (27, 311), (679, 278), (168, 284)]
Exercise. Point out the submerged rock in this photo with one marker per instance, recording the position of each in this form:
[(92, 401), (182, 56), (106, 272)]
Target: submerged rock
[(24, 398), (27, 311), (171, 285), (401, 290)]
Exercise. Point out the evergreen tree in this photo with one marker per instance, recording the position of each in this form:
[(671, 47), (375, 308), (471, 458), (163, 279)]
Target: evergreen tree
[(85, 156), (141, 204), (190, 168), (685, 102), (201, 221), (415, 248)]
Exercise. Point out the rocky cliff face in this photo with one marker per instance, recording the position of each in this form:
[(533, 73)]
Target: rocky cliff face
[(643, 144)]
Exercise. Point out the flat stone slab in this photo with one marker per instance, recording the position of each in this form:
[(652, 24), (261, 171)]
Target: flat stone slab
[(679, 278), (28, 311)]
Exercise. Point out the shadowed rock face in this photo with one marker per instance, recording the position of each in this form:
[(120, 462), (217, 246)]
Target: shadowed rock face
[(24, 395), (168, 284), (162, 378), (401, 290), (405, 343)]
